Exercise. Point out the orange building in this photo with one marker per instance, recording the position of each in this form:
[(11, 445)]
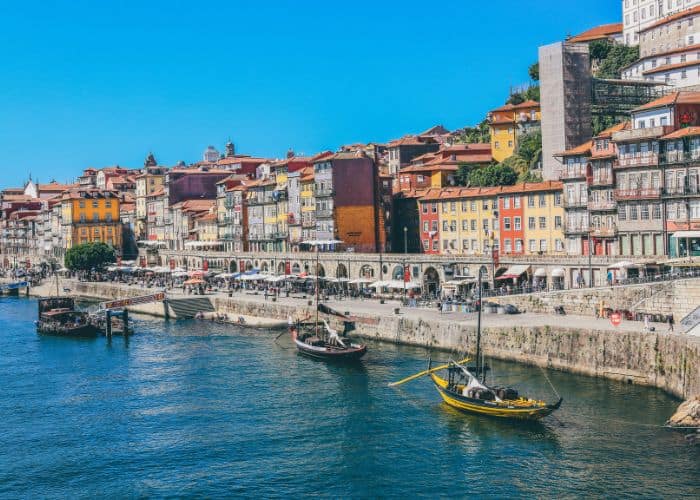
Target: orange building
[(90, 216)]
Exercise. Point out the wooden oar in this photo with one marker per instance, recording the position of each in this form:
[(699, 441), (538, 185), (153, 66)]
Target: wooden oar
[(423, 373)]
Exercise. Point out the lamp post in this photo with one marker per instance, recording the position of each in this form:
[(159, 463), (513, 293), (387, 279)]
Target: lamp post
[(405, 256)]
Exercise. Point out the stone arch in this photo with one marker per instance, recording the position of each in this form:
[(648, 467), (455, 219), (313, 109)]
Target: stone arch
[(341, 271), (484, 272), (282, 268), (248, 265), (257, 263), (397, 272), (264, 267), (320, 270), (232, 267), (296, 268), (367, 272), (431, 280)]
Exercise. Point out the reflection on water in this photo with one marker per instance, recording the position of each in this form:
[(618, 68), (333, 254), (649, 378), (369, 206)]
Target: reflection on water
[(185, 408)]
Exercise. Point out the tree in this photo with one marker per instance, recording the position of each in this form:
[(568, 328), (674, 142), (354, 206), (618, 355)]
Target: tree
[(477, 134), (516, 98), (534, 72), (533, 93), (609, 58), (88, 256), (530, 147), (495, 174)]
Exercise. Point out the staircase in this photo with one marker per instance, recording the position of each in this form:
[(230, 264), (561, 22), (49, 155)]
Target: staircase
[(189, 307)]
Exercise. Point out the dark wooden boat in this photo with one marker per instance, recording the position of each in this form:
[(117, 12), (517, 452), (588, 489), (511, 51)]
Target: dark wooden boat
[(314, 340), (58, 316)]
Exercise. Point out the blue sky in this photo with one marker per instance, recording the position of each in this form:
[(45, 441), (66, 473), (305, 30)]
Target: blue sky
[(86, 83)]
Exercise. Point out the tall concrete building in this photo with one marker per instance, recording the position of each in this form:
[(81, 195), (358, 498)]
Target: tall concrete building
[(565, 86)]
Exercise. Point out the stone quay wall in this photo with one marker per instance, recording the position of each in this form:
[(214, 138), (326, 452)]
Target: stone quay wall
[(678, 297), (668, 361)]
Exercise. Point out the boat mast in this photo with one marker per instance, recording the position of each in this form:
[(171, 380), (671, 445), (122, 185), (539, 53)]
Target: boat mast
[(317, 263), (478, 329)]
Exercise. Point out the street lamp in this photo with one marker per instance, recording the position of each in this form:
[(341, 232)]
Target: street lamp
[(405, 255)]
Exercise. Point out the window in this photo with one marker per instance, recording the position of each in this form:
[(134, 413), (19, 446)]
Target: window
[(557, 222), (444, 208), (425, 227), (516, 202), (644, 212), (507, 246), (95, 203), (543, 200), (82, 217), (435, 226), (506, 223), (497, 145), (518, 246), (435, 245), (557, 199), (465, 244), (453, 226), (108, 203), (464, 206), (532, 245), (424, 208), (531, 201), (472, 223), (426, 245), (108, 217), (684, 74), (531, 223), (81, 204), (517, 223), (506, 202), (485, 204), (444, 225), (543, 223), (485, 224), (472, 205), (510, 144), (543, 245), (465, 225), (433, 208), (559, 245), (656, 211), (633, 212), (453, 206)]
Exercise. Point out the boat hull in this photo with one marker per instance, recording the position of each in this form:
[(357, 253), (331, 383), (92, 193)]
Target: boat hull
[(330, 353), (81, 331), (516, 410)]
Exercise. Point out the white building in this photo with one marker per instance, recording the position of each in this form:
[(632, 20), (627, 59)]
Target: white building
[(638, 15)]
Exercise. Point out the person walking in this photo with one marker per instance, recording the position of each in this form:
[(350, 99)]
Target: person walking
[(646, 322), (670, 322)]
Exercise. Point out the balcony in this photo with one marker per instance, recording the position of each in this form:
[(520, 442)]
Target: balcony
[(280, 235), (601, 205), (255, 201), (324, 214), (308, 223), (579, 228), (641, 134), (604, 232), (574, 202), (681, 191), (675, 157), (573, 173), (637, 194), (323, 192), (601, 181), (637, 160)]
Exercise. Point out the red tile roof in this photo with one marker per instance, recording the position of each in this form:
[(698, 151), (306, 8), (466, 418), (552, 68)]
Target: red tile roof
[(683, 132), (672, 99), (523, 105), (608, 132), (55, 187), (674, 17), (597, 33), (583, 149)]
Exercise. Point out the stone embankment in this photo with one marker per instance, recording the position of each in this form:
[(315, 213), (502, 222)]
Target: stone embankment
[(664, 360), (678, 297)]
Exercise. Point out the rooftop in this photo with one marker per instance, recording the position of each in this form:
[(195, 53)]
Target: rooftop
[(597, 33)]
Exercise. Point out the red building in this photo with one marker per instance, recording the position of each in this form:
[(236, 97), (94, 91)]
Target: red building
[(511, 216), (429, 222)]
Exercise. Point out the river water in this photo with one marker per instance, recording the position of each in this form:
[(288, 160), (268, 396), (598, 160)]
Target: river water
[(191, 408)]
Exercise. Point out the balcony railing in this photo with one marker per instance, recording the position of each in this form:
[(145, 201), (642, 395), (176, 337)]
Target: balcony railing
[(602, 205), (324, 214), (602, 181), (228, 204), (576, 228), (637, 194), (674, 191), (671, 157), (572, 174), (574, 202), (637, 160), (280, 235), (308, 223), (603, 232), (323, 192)]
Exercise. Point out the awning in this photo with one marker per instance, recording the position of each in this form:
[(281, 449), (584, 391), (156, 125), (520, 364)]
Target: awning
[(540, 273), (623, 264), (686, 234), (461, 281), (558, 272), (514, 272)]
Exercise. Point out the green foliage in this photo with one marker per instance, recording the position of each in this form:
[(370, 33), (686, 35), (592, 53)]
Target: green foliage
[(477, 134), (516, 98), (530, 147), (534, 72), (533, 93), (610, 57), (601, 122), (496, 174), (89, 256)]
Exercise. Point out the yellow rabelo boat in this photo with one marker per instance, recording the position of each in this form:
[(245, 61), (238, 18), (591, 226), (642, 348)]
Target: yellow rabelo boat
[(465, 388)]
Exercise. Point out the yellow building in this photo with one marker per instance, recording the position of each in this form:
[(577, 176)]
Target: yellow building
[(508, 122), (91, 216), (206, 227), (281, 196), (543, 218), (467, 220)]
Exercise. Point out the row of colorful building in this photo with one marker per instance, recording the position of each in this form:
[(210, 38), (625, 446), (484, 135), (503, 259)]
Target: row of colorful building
[(631, 190)]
